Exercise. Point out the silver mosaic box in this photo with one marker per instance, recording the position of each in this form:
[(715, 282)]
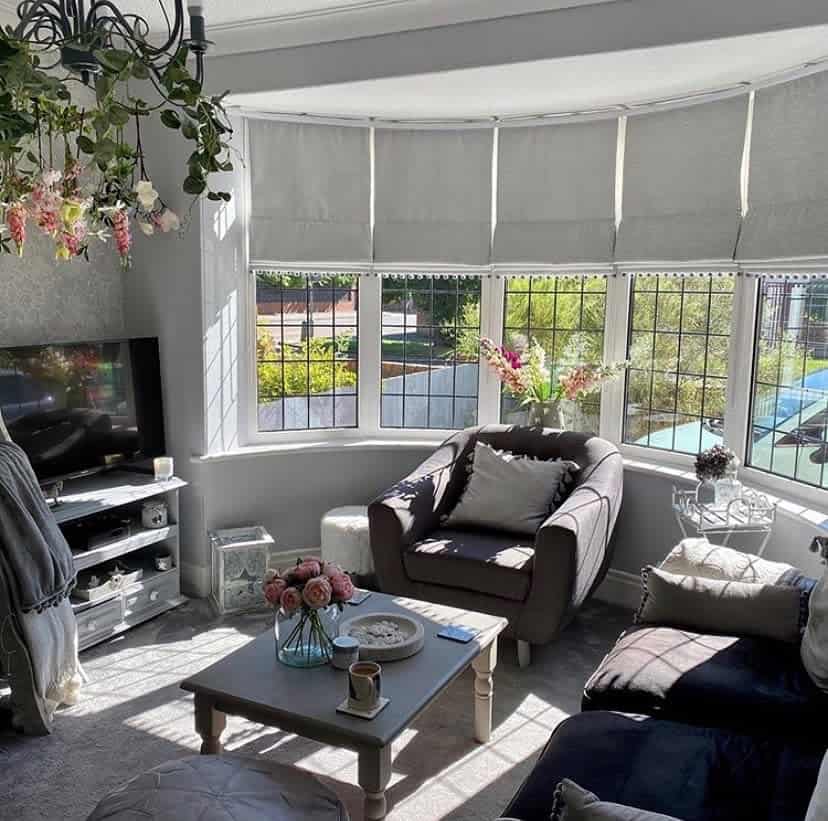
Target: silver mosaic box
[(240, 558)]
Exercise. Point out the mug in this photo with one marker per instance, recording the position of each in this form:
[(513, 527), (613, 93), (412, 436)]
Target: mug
[(364, 686)]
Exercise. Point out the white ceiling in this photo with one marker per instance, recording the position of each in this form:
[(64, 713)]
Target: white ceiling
[(560, 85)]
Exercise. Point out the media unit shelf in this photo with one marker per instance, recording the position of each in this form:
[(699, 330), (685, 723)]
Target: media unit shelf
[(153, 594)]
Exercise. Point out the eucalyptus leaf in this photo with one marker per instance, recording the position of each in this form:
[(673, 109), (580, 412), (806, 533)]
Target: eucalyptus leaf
[(194, 186), (170, 118)]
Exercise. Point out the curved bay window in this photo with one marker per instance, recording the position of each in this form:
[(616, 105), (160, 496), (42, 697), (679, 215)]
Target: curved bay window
[(679, 336), (789, 415)]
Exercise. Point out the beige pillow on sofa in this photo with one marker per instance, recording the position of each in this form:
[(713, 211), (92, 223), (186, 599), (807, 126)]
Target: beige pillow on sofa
[(733, 608), (507, 491)]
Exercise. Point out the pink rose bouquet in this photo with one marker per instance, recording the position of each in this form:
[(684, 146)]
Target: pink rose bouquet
[(306, 589)]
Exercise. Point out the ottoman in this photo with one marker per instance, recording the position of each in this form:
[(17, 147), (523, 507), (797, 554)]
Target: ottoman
[(213, 788), (346, 540)]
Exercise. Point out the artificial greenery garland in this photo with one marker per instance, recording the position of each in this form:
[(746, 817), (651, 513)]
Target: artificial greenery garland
[(78, 173)]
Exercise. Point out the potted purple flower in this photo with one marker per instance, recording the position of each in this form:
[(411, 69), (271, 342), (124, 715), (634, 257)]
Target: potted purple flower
[(308, 599)]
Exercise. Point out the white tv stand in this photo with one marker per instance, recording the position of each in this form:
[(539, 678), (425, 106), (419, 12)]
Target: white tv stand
[(157, 591)]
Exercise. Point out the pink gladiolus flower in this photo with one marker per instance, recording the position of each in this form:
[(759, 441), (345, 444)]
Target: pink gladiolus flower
[(317, 593), (307, 570), (291, 600), (123, 237), (273, 591), (342, 587), (270, 575), (16, 218)]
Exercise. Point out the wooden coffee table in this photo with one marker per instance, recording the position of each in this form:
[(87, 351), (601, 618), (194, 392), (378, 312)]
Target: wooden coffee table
[(251, 682)]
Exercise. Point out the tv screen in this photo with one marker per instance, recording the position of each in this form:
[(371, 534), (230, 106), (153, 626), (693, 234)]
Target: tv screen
[(83, 407)]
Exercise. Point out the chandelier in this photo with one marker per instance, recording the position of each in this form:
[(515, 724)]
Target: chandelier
[(81, 30)]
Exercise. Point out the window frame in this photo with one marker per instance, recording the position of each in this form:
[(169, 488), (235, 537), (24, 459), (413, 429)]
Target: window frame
[(492, 304)]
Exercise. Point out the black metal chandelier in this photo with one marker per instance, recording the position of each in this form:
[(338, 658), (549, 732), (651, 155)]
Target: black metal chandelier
[(79, 29)]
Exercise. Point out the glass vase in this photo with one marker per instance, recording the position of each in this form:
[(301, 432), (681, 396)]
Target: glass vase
[(304, 638), (728, 488), (543, 414)]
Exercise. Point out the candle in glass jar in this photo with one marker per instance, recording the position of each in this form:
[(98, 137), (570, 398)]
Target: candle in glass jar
[(164, 468)]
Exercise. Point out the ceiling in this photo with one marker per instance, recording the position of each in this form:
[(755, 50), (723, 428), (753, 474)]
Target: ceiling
[(559, 85)]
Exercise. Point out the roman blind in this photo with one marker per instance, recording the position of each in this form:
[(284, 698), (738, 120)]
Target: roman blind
[(788, 184), (556, 193), (682, 183), (433, 196), (310, 192)]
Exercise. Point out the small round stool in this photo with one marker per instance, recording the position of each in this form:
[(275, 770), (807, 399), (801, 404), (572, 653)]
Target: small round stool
[(222, 789), (346, 541)]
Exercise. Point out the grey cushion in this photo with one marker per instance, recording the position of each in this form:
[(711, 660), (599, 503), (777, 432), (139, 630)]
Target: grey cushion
[(716, 681), (815, 641), (574, 803), (490, 562), (736, 608), (509, 492), (209, 788)]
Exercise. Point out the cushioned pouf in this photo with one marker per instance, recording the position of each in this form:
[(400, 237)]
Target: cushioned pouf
[(212, 788), (346, 541)]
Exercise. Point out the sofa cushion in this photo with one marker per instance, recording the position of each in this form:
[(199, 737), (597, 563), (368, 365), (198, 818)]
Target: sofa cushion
[(721, 681), (692, 773), (491, 562), (746, 609)]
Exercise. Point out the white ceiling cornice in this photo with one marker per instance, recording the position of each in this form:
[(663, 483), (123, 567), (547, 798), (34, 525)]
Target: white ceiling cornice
[(351, 20)]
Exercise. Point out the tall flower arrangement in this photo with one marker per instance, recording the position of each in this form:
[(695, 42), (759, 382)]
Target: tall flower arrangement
[(78, 174), (527, 376)]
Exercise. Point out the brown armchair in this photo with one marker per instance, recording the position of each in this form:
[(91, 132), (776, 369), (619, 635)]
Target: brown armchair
[(538, 586)]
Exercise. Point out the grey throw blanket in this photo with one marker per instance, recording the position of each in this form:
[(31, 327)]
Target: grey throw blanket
[(34, 555)]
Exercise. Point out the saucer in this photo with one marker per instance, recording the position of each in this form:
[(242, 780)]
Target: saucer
[(348, 710)]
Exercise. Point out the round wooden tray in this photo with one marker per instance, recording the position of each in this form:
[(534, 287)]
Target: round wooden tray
[(409, 643)]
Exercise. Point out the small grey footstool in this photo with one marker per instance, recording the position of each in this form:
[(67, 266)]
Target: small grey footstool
[(213, 788)]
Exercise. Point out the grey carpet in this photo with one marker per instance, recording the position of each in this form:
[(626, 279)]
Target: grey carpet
[(133, 716)]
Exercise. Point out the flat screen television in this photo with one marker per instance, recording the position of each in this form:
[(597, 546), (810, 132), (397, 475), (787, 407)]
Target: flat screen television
[(83, 407)]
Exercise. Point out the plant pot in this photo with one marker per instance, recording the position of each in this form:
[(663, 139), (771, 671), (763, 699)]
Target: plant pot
[(562, 414), (305, 638), (543, 414)]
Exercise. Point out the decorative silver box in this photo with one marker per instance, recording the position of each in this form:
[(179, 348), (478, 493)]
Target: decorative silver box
[(240, 558)]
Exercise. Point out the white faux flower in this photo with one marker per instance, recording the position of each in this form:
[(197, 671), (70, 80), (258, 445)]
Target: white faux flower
[(169, 221), (147, 228), (147, 195)]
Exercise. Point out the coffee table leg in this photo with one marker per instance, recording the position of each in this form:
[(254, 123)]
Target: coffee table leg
[(210, 724), (484, 666), (374, 774)]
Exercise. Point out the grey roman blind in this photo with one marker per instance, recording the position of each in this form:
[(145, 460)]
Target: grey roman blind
[(682, 183), (556, 193), (788, 184), (310, 193), (433, 196)]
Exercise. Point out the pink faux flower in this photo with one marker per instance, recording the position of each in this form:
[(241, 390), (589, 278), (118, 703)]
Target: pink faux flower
[(123, 237), (307, 570), (16, 217), (342, 587), (273, 591), (291, 600), (317, 593), (331, 569), (270, 575)]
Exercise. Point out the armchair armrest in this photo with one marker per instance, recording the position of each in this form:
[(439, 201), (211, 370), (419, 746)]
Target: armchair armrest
[(572, 551), (412, 508)]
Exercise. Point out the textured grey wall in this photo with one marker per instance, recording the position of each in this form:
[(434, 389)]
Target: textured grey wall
[(46, 301)]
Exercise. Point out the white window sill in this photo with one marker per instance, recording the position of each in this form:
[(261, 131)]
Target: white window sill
[(317, 446), (790, 505)]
